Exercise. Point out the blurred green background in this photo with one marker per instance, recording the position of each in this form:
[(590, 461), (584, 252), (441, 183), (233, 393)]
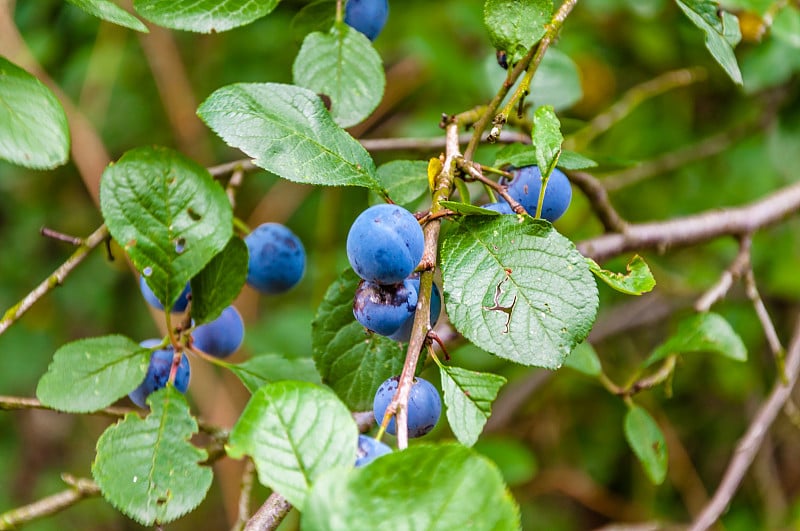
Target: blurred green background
[(563, 450)]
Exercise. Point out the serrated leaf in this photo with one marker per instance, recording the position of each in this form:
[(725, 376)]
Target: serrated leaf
[(464, 208), (147, 468), (294, 431), (519, 155), (647, 442), (468, 396), (516, 25), (216, 286), (584, 359), (90, 374), (636, 281), (352, 361), (547, 139), (169, 215), (263, 369), (700, 13), (404, 180), (33, 127), (702, 332), (288, 131), (110, 12), (343, 65), (203, 16), (422, 488), (517, 288)]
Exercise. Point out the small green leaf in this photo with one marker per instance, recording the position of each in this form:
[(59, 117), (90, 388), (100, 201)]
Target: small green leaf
[(203, 16), (702, 332), (547, 139), (343, 65), (584, 359), (169, 215), (517, 288), (33, 127), (703, 14), (557, 81), (216, 286), (147, 468), (404, 180), (352, 361), (425, 487), (468, 396), (90, 374), (464, 208), (288, 131), (316, 16), (519, 155), (263, 369), (516, 25), (647, 442), (569, 160), (636, 281), (294, 431), (110, 12)]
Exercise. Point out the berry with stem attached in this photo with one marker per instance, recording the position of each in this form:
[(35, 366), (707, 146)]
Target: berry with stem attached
[(158, 373), (424, 406)]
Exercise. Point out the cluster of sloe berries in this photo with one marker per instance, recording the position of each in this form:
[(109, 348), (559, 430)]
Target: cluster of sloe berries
[(524, 189), (276, 263), (384, 246)]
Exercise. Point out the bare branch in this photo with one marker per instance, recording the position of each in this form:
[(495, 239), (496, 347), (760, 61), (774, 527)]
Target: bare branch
[(248, 476), (737, 268), (270, 515), (763, 316), (80, 489)]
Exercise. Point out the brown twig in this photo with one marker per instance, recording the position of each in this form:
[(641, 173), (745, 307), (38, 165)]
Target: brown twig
[(763, 317), (60, 236), (734, 271), (248, 478), (599, 201), (475, 173), (270, 515), (79, 489)]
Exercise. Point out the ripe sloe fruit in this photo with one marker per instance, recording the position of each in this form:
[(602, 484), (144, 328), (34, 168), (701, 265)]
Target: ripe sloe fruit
[(221, 337), (367, 16), (403, 333), (277, 258), (424, 406), (369, 449), (158, 373), (501, 206), (384, 309), (527, 182)]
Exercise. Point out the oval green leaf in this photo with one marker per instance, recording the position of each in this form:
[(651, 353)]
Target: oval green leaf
[(288, 131), (719, 32), (343, 65), (110, 12), (204, 16), (33, 127), (647, 442), (517, 288), (702, 332), (147, 468), (468, 396), (263, 369), (216, 286), (406, 181), (169, 215), (516, 25)]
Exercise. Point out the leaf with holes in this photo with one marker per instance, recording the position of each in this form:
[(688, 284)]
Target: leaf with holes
[(636, 281), (288, 131), (33, 127), (147, 468), (425, 487), (352, 361), (517, 288), (294, 431), (168, 213), (204, 16), (702, 332), (216, 286), (110, 12), (516, 25), (90, 374), (343, 65), (647, 442), (468, 396)]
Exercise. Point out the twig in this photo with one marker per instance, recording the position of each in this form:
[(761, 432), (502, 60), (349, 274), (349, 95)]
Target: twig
[(749, 444), (599, 201), (689, 230), (473, 171), (270, 515), (80, 489), (737, 268), (60, 236), (766, 322), (233, 185), (248, 476), (55, 279), (630, 100)]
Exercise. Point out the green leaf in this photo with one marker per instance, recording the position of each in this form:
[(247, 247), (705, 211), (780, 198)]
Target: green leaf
[(33, 127), (517, 288), (786, 26), (557, 81), (263, 369), (316, 16), (519, 155), (288, 131), (404, 180), (584, 359), (423, 488), (468, 396), (647, 442), (147, 468), (352, 361), (702, 332), (514, 458), (90, 374), (216, 286), (569, 160), (204, 16), (547, 139), (343, 65), (700, 13), (636, 281), (294, 431), (516, 25), (168, 213), (110, 12), (464, 208)]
